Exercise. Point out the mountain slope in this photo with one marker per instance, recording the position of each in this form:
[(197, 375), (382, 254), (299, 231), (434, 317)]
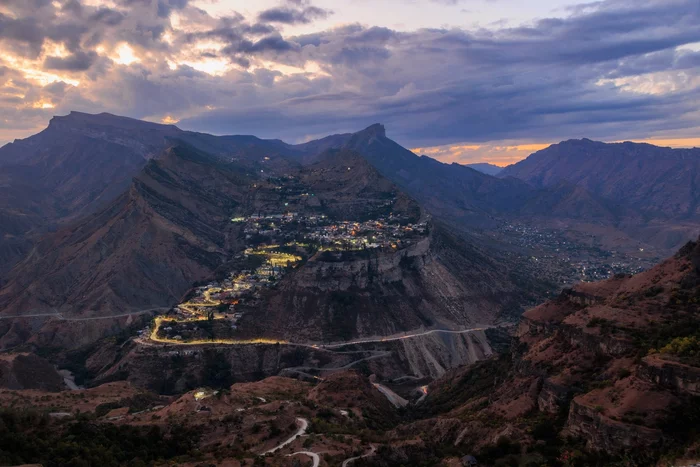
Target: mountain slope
[(173, 228), (566, 200), (143, 251), (659, 181), (608, 369), (82, 162), (453, 192)]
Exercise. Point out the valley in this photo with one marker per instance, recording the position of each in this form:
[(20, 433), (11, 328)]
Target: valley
[(316, 233), (574, 256)]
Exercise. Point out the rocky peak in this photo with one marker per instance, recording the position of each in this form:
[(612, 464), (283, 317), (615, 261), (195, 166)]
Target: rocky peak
[(377, 130)]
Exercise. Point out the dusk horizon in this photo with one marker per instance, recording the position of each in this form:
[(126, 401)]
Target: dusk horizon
[(465, 81)]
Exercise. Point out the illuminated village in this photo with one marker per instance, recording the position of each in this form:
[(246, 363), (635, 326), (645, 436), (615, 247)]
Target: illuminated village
[(276, 244)]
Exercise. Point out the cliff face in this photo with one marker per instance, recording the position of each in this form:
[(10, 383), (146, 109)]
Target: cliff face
[(433, 355), (440, 281), (175, 369)]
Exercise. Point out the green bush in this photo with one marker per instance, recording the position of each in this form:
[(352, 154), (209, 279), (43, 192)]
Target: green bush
[(683, 346)]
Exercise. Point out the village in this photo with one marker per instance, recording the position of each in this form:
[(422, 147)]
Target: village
[(276, 244), (321, 233)]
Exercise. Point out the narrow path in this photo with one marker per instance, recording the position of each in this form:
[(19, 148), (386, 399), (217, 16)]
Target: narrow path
[(135, 313), (36, 315), (313, 455), (372, 450), (303, 425), (60, 316), (405, 336)]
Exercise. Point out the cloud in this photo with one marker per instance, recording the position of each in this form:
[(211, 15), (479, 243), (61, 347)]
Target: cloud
[(79, 61), (610, 70), (293, 16), (502, 154), (106, 16)]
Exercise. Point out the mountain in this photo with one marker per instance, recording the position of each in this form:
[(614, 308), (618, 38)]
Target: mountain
[(656, 180), (312, 149), (604, 374), (486, 168), (28, 371), (141, 250), (453, 192), (81, 162), (566, 200), (144, 250), (440, 280), (470, 198), (359, 271), (172, 228)]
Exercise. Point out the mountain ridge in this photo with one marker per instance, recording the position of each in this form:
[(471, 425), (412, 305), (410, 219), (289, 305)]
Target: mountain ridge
[(654, 179)]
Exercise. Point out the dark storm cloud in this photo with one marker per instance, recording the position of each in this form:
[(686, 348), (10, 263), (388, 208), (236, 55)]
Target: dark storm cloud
[(79, 61), (107, 16), (165, 7), (22, 31), (291, 15), (271, 43)]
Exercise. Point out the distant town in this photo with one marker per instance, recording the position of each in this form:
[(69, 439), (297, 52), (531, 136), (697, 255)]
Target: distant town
[(573, 261)]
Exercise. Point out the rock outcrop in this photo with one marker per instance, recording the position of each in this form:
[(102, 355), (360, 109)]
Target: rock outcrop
[(612, 364)]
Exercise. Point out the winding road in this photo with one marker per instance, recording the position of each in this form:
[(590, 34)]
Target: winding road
[(405, 336), (372, 450), (313, 455), (155, 340), (303, 425)]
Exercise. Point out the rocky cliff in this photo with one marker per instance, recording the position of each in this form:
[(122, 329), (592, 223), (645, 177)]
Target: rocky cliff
[(439, 282), (606, 371)]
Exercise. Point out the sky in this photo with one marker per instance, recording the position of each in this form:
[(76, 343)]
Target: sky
[(459, 80)]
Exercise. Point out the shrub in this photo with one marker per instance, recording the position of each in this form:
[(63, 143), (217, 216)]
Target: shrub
[(683, 346)]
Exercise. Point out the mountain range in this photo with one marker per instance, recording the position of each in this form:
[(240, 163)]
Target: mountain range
[(141, 211), (383, 308), (654, 180), (171, 228)]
